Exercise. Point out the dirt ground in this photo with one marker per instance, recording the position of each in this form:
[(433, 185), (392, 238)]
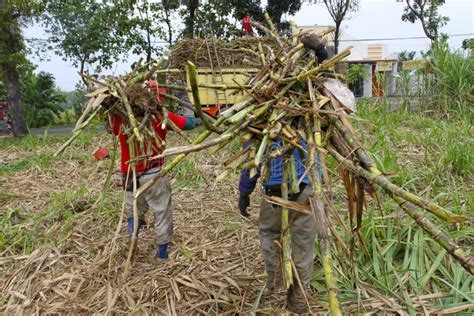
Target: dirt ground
[(77, 252), (61, 252)]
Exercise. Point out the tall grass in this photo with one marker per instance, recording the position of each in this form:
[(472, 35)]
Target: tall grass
[(445, 85), (453, 77), (397, 260)]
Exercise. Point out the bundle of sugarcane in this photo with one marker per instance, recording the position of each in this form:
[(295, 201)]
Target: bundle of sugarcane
[(289, 99), (217, 53)]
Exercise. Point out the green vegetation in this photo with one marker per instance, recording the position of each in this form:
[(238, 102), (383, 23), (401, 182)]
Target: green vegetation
[(435, 159), (453, 71), (395, 260), (355, 73)]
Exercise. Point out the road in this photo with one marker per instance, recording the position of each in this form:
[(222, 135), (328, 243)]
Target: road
[(51, 131)]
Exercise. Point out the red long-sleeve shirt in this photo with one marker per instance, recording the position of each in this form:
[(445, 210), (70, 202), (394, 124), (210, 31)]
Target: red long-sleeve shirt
[(179, 121)]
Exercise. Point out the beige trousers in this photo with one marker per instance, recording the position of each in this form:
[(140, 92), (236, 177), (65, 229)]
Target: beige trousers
[(303, 235), (158, 199)]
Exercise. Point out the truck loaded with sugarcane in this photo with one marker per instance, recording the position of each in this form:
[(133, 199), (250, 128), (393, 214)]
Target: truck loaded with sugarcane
[(291, 121)]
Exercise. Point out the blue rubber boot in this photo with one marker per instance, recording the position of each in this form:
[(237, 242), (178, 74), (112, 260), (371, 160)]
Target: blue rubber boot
[(130, 226), (162, 253)]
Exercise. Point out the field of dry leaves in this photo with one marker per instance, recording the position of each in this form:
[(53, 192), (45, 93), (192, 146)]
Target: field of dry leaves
[(63, 252)]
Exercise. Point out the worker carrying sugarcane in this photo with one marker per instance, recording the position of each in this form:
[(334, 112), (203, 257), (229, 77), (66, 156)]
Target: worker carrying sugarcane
[(303, 227), (158, 197)]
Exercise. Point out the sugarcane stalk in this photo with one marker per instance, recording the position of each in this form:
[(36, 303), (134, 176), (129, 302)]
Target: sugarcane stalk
[(263, 60), (221, 87), (373, 174), (317, 206), (133, 239), (131, 118), (193, 81), (229, 135), (285, 230), (101, 198), (147, 75), (293, 176), (240, 116), (77, 131), (324, 66), (467, 261), (198, 140), (275, 131)]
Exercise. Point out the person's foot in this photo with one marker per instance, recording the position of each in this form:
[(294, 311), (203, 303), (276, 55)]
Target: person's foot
[(295, 301), (130, 226), (274, 290), (162, 253)]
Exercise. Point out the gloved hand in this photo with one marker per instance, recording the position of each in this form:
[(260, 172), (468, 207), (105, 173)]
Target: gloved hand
[(244, 202), (314, 42)]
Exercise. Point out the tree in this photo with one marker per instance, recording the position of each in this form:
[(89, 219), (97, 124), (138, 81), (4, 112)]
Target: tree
[(468, 43), (85, 32), (13, 15), (169, 6), (202, 16), (405, 55), (275, 8), (140, 24), (189, 14), (426, 11), (43, 99), (339, 10), (79, 98)]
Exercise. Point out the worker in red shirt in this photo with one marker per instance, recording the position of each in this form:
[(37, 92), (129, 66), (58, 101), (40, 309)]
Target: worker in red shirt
[(157, 197)]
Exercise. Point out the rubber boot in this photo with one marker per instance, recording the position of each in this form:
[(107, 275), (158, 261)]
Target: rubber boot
[(162, 253), (274, 291), (130, 226), (295, 301)]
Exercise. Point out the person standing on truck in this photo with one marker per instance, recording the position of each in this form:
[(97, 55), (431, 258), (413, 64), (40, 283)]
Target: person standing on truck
[(157, 197)]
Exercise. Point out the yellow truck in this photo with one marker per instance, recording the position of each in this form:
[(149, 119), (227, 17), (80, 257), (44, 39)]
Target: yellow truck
[(213, 100)]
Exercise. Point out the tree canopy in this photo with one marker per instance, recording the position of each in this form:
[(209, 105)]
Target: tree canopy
[(85, 32), (339, 10), (425, 11)]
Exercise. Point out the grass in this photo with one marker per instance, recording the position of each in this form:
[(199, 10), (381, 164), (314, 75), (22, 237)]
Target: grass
[(434, 158), (427, 155)]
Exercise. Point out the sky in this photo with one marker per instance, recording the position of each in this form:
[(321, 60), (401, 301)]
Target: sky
[(376, 19)]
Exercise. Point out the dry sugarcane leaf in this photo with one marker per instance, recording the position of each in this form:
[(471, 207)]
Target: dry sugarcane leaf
[(97, 92), (86, 111), (296, 206)]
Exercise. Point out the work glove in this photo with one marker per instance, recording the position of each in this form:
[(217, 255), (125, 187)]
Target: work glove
[(244, 202), (314, 42)]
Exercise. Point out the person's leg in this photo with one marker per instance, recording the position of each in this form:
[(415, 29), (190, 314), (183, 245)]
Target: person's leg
[(142, 207), (269, 229), (303, 235), (158, 198)]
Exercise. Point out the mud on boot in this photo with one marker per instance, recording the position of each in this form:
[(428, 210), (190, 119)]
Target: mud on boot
[(274, 290), (295, 301)]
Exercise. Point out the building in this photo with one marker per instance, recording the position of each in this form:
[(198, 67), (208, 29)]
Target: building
[(380, 68)]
